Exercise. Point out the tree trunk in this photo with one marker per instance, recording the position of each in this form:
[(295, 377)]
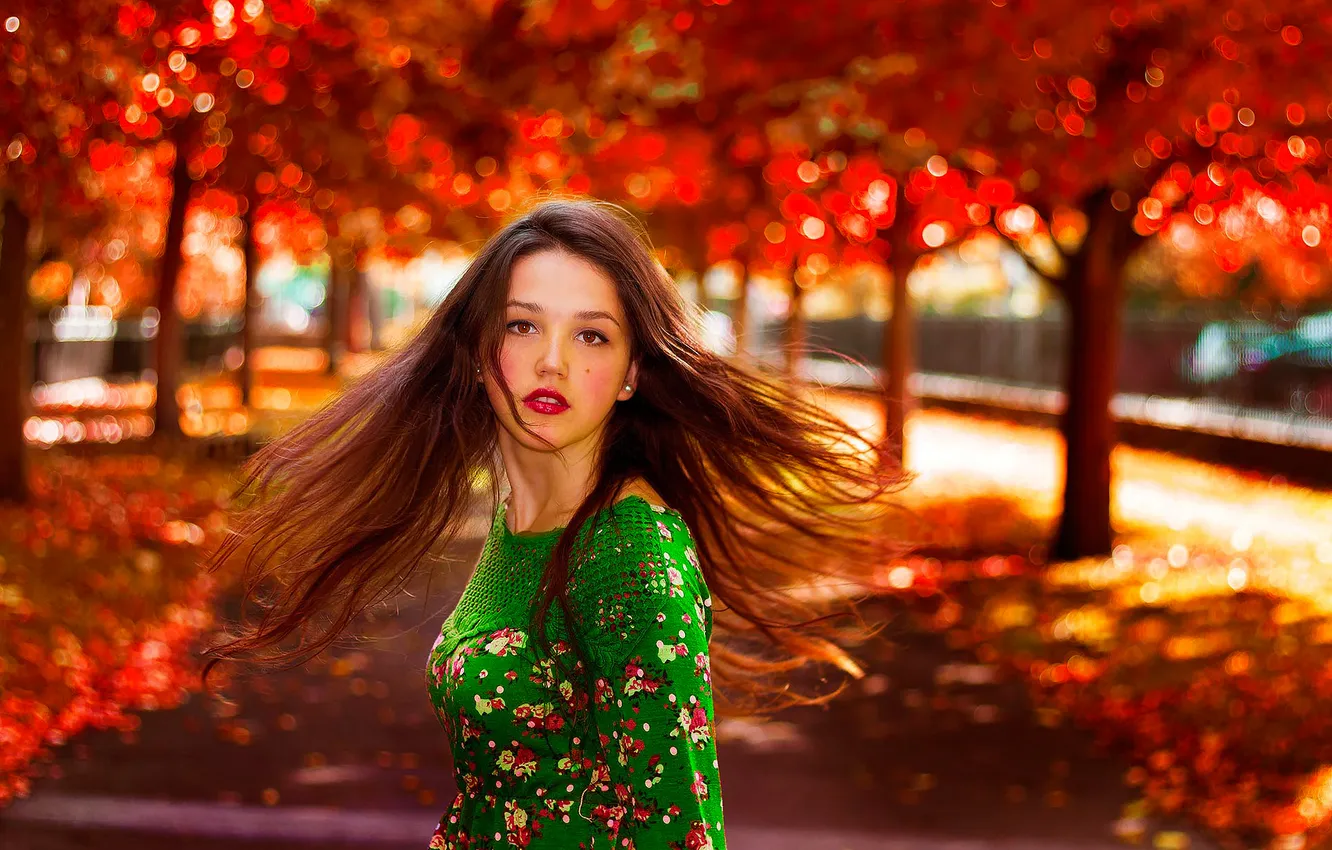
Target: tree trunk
[(357, 307), (898, 347), (753, 254), (14, 353), (375, 312), (1095, 316), (697, 263), (246, 376), (796, 335), (169, 349), (335, 332), (740, 310)]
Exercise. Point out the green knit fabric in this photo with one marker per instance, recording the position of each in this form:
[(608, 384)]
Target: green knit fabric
[(639, 770)]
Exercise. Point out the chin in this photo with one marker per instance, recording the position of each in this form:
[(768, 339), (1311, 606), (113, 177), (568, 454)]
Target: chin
[(559, 438)]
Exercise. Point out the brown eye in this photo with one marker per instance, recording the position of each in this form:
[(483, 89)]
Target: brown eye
[(598, 338), (511, 325)]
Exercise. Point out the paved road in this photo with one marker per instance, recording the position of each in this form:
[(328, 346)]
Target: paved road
[(923, 753)]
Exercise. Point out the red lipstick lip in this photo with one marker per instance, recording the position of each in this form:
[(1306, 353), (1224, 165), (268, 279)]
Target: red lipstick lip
[(561, 404)]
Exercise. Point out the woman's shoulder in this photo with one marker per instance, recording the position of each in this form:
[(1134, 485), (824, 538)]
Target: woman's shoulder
[(641, 547), (638, 487), (640, 568)]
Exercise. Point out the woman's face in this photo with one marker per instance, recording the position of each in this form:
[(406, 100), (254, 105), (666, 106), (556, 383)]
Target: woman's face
[(565, 333)]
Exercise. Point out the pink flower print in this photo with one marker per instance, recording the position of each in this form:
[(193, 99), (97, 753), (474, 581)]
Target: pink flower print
[(515, 818), (663, 530), (610, 816), (636, 679), (630, 747), (699, 786), (504, 640), (691, 556), (702, 665), (698, 838), (694, 723), (524, 762), (674, 583), (535, 715), (469, 729), (667, 652)]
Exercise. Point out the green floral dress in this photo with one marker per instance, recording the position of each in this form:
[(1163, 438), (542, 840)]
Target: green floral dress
[(640, 770)]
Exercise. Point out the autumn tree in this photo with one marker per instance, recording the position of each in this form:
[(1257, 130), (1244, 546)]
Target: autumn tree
[(270, 101), (52, 96), (1088, 110), (785, 102)]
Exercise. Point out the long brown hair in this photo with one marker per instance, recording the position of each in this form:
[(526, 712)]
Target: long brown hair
[(783, 498)]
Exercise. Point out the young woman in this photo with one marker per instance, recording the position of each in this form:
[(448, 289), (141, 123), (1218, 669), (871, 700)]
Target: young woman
[(640, 484)]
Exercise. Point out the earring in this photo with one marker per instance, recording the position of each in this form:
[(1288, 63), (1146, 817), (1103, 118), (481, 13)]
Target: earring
[(628, 388)]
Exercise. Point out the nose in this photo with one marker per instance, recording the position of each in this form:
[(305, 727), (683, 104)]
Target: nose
[(554, 358)]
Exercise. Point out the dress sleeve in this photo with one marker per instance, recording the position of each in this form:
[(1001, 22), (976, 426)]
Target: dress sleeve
[(647, 621)]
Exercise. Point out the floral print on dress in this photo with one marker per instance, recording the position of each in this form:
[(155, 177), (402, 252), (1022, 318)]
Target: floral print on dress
[(506, 640), (636, 768)]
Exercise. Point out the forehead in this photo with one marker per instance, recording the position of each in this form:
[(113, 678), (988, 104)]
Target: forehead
[(562, 282)]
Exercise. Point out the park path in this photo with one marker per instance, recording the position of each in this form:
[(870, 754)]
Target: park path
[(932, 750)]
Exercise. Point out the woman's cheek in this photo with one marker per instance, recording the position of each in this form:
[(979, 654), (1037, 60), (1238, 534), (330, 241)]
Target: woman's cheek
[(508, 367), (600, 381)]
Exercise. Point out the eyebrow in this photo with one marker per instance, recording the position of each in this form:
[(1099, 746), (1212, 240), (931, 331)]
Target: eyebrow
[(581, 315)]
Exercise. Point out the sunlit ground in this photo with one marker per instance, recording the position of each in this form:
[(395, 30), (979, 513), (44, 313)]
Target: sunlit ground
[(1202, 646), (287, 384), (1279, 535)]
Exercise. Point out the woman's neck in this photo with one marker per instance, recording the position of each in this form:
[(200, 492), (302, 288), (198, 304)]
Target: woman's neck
[(535, 519), (545, 488)]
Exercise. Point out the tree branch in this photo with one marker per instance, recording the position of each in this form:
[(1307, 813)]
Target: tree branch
[(1056, 281), (1045, 209)]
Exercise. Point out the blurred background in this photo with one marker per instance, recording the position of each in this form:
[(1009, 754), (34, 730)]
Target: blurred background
[(1071, 257)]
